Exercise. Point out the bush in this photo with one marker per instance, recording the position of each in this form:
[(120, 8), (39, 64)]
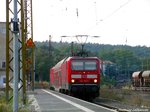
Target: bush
[(5, 107), (107, 92), (42, 84), (124, 95)]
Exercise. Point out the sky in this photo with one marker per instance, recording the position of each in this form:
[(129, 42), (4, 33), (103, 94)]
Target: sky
[(116, 22)]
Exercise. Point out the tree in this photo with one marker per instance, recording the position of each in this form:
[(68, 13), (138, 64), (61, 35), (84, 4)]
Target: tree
[(124, 59)]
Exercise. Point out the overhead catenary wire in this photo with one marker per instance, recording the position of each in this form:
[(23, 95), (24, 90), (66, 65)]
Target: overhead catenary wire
[(77, 12), (116, 10), (98, 21)]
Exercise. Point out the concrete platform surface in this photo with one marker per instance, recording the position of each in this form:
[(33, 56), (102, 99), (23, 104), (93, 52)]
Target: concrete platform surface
[(51, 101)]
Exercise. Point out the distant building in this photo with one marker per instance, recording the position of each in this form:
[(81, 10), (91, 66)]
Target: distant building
[(105, 65), (2, 54)]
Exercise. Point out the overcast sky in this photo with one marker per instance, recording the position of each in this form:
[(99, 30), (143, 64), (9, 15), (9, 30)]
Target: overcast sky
[(115, 21)]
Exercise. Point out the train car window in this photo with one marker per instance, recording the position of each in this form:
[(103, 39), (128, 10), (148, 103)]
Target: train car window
[(90, 65), (77, 65)]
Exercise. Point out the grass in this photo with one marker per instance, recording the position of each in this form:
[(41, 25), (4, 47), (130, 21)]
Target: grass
[(4, 107), (42, 84), (125, 95), (111, 94), (7, 107)]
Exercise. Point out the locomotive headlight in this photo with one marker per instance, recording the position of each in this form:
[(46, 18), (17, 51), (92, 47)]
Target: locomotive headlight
[(72, 80), (95, 80)]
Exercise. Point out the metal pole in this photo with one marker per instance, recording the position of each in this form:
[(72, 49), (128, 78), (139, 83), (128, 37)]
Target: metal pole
[(34, 65), (15, 79), (15, 61), (23, 91), (49, 45), (32, 74), (72, 53), (7, 50)]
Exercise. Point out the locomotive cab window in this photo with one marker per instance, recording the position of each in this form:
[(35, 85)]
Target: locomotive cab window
[(77, 65), (84, 65), (90, 65)]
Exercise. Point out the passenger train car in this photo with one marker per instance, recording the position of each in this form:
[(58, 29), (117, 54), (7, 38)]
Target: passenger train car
[(77, 76)]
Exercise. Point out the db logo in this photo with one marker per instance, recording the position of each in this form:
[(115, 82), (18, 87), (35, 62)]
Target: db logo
[(84, 76)]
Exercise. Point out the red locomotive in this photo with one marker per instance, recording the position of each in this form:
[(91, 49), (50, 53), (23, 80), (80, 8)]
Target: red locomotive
[(77, 76)]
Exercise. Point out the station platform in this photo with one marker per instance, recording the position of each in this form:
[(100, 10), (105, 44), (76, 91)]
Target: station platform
[(52, 101)]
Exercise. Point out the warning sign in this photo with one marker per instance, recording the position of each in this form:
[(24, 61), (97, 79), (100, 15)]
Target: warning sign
[(30, 43)]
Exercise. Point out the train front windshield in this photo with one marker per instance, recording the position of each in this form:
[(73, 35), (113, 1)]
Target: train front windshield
[(84, 65)]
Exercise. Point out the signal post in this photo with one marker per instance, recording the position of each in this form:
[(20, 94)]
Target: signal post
[(18, 30), (30, 61)]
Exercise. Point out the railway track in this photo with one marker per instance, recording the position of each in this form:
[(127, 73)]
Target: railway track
[(144, 89), (96, 102), (106, 103), (112, 104), (118, 106)]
